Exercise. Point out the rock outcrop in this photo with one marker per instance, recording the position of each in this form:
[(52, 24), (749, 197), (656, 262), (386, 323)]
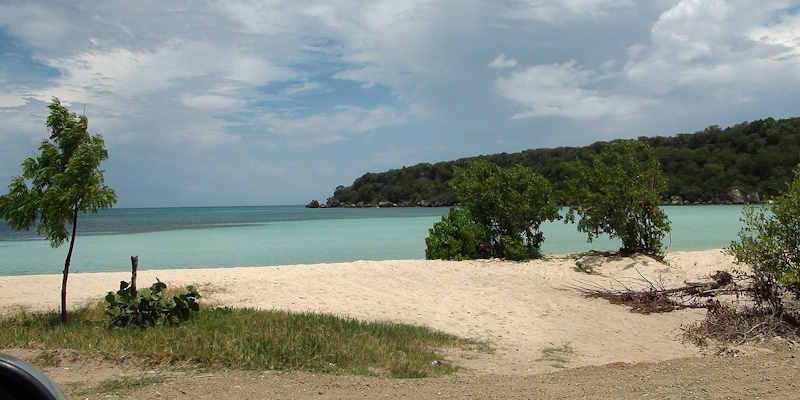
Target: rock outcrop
[(735, 196), (753, 198)]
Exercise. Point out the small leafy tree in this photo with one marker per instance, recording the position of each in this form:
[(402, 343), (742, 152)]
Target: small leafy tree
[(769, 242), (457, 237), (62, 181), (510, 203), (619, 194)]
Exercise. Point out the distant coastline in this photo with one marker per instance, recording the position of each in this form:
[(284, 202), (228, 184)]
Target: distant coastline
[(433, 204), (749, 162)]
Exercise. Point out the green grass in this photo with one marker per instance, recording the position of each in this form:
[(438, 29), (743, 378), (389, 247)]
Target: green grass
[(557, 356), (246, 339), (121, 386)]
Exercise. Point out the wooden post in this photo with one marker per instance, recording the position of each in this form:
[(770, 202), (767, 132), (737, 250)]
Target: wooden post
[(134, 266)]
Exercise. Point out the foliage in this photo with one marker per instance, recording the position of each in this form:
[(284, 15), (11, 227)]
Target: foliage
[(510, 203), (457, 237), (150, 307), (512, 248), (63, 180), (769, 242), (756, 157), (247, 339), (618, 194)]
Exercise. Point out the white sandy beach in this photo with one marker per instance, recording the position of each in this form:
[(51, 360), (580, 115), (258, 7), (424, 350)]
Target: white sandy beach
[(520, 308)]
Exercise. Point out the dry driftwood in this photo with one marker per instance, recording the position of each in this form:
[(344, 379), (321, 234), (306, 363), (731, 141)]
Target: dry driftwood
[(655, 298), (725, 323)]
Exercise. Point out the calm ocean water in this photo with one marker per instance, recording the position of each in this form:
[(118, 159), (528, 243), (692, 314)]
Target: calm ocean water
[(279, 235)]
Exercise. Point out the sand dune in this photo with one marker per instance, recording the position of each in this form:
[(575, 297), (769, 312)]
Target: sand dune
[(522, 309)]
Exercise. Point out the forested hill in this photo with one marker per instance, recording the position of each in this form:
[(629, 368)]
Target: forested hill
[(749, 161)]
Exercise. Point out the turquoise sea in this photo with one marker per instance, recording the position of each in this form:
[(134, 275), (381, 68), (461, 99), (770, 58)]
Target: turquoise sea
[(279, 235)]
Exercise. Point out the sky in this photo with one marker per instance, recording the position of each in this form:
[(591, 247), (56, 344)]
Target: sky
[(277, 102)]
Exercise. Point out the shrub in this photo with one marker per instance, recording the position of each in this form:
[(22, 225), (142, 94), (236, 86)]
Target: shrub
[(619, 194), (457, 237), (513, 248), (770, 243), (509, 203), (150, 307)]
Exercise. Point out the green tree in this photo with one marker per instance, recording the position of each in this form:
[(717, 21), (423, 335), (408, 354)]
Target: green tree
[(619, 194), (62, 181), (457, 237), (511, 203), (770, 243)]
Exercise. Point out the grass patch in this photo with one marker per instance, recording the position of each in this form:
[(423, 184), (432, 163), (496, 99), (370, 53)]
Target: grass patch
[(48, 358), (586, 268), (246, 339), (122, 386), (557, 356)]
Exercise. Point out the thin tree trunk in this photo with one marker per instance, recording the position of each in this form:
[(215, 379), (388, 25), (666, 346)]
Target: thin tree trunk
[(134, 267), (66, 266)]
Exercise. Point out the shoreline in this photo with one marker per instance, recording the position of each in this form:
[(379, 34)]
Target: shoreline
[(175, 268), (323, 206), (521, 309)]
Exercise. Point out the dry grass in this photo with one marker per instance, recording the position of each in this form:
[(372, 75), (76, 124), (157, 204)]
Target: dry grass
[(119, 387)]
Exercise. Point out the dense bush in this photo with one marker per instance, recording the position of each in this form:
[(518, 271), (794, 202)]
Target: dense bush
[(457, 237), (769, 242), (619, 194), (507, 204), (150, 307), (511, 203)]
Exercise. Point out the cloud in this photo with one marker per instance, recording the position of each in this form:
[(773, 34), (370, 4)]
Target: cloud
[(210, 101), (24, 121), (719, 43), (36, 24), (9, 100), (784, 35), (560, 90), (387, 42), (257, 71), (302, 88), (94, 76), (501, 62), (258, 17), (344, 122), (558, 11), (211, 134)]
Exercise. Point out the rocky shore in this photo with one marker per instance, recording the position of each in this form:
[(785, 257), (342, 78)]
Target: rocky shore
[(734, 196), (380, 204)]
